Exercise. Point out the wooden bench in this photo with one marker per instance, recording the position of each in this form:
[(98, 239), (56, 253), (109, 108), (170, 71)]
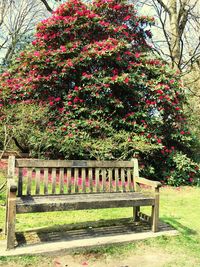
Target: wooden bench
[(55, 185)]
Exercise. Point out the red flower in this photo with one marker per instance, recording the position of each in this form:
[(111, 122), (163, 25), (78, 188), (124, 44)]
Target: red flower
[(127, 18), (126, 80), (182, 132)]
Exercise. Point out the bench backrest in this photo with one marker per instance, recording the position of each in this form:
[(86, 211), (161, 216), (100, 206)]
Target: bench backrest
[(46, 177)]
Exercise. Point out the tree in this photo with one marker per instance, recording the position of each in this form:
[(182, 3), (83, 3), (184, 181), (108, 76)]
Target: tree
[(107, 96), (17, 22), (178, 38)]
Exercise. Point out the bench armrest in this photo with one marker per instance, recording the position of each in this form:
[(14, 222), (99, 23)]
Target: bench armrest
[(144, 181)]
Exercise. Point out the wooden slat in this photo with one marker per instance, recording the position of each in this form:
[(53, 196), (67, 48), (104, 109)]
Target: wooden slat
[(53, 180), (104, 179), (72, 163), (129, 179), (97, 179), (110, 179), (76, 180), (20, 182), (69, 182), (135, 174), (29, 181), (82, 201), (90, 180), (123, 179), (37, 178), (61, 179), (46, 178), (83, 176), (116, 179)]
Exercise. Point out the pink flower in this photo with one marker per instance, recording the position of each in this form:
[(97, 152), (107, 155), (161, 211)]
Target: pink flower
[(63, 48), (36, 53), (137, 55), (182, 132)]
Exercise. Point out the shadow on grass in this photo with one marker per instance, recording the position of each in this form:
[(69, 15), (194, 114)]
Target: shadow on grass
[(180, 227), (89, 229)]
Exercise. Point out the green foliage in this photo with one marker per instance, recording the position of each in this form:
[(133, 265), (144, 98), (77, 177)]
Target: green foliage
[(104, 94)]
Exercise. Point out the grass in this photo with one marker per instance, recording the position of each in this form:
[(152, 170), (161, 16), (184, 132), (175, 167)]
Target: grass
[(178, 206)]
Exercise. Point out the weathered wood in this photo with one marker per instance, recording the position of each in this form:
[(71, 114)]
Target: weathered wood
[(29, 181), (69, 184), (90, 180), (11, 220), (123, 179), (83, 176), (116, 179), (20, 182), (37, 179), (110, 179), (135, 174), (53, 175), (76, 180), (82, 201), (11, 167), (129, 180), (104, 180), (46, 178), (144, 181), (101, 175), (155, 212), (61, 179), (28, 163)]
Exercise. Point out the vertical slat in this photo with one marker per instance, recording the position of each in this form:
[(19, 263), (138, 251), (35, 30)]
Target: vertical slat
[(90, 180), (83, 176), (37, 177), (129, 179), (123, 179), (76, 179), (116, 179), (69, 182), (110, 178), (61, 176), (104, 179), (29, 181), (135, 174), (53, 180), (20, 182), (46, 177), (97, 179)]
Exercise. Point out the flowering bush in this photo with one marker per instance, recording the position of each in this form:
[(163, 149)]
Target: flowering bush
[(107, 96)]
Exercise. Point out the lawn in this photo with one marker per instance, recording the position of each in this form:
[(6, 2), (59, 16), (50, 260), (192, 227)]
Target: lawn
[(178, 206)]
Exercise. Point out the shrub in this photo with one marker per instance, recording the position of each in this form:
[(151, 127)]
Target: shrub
[(106, 95)]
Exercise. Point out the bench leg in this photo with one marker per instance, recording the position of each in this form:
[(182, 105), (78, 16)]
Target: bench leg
[(136, 218), (10, 225), (155, 214), (6, 219)]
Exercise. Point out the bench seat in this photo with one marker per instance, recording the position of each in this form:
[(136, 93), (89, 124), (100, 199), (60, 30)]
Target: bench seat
[(28, 204)]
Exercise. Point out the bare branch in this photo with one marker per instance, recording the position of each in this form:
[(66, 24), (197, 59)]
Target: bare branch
[(47, 5)]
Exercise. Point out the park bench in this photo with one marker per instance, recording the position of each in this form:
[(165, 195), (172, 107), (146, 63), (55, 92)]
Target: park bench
[(36, 185)]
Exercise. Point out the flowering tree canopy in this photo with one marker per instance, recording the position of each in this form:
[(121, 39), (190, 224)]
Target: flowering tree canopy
[(101, 91)]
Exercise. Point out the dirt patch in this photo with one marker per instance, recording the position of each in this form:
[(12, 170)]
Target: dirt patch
[(148, 259)]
